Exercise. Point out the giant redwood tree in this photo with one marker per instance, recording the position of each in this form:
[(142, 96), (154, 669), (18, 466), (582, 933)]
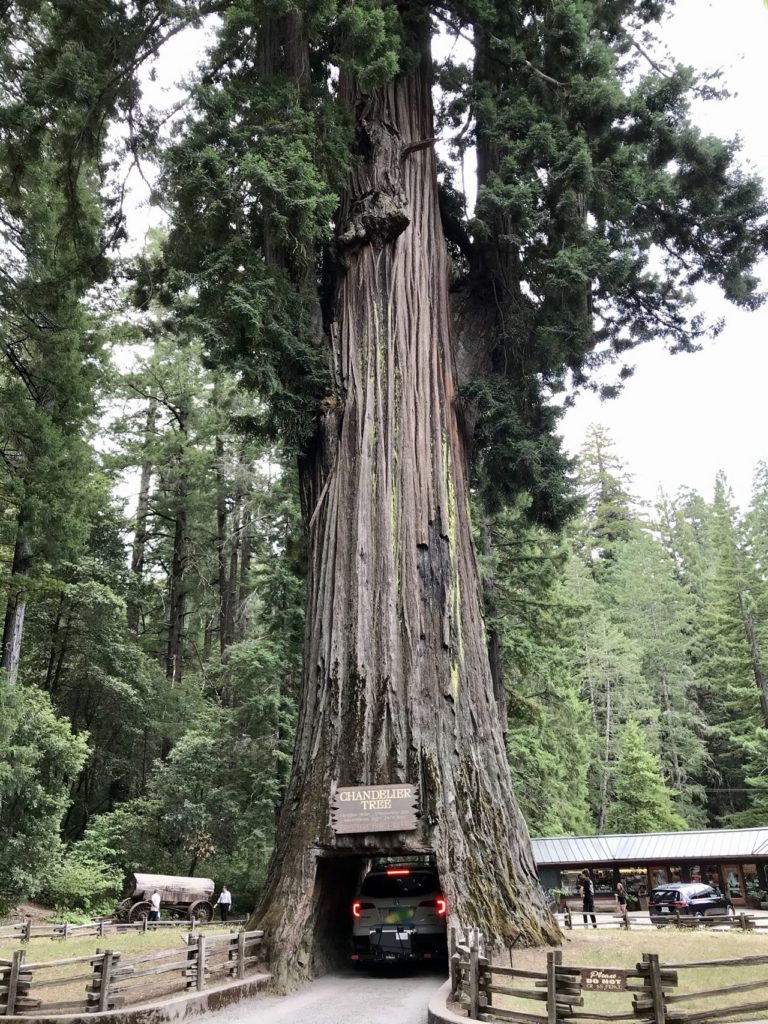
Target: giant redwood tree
[(407, 352)]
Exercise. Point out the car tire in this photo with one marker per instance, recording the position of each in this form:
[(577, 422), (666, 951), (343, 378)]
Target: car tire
[(699, 914)]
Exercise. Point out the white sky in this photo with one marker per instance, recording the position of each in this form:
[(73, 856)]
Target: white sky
[(680, 418)]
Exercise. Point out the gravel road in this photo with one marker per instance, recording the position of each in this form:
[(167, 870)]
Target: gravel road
[(364, 998)]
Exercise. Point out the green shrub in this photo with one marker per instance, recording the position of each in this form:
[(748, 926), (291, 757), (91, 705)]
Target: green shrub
[(39, 759), (77, 885)]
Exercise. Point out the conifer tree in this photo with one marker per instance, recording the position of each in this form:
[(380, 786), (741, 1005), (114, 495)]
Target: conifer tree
[(732, 700), (640, 800), (608, 520), (586, 164), (536, 620), (400, 350), (651, 607)]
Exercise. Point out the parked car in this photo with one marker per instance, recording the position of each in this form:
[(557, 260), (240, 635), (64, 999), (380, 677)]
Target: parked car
[(691, 898), (399, 915)]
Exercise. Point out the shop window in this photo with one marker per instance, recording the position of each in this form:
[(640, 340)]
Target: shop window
[(662, 875), (733, 882), (710, 873), (569, 880), (603, 880), (752, 882), (635, 881)]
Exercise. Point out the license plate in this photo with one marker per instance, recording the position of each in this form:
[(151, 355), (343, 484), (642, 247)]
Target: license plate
[(665, 910)]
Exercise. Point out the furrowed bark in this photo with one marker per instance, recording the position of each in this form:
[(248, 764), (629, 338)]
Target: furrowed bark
[(494, 640), (397, 685)]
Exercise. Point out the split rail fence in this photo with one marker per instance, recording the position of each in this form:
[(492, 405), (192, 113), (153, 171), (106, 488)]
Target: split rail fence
[(569, 918), (560, 989), (26, 930), (110, 979)]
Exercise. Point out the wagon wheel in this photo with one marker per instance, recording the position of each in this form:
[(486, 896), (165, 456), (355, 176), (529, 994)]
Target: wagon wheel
[(201, 911), (139, 912)]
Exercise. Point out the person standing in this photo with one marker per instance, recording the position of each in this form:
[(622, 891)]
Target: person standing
[(154, 906), (224, 902), (587, 889), (621, 899)]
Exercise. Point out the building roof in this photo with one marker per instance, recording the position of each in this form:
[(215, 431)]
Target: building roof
[(663, 847)]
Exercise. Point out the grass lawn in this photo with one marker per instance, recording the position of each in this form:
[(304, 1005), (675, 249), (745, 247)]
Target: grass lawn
[(68, 983), (625, 949)]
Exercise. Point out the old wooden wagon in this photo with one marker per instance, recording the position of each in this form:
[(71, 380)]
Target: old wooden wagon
[(182, 897)]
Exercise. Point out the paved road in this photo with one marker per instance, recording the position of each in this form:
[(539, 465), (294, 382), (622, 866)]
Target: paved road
[(375, 998)]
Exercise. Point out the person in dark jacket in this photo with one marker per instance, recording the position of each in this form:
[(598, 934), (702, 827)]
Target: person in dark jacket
[(587, 890)]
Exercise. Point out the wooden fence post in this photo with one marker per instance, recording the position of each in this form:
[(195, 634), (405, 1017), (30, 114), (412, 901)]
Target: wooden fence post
[(200, 962), (101, 929), (553, 959), (657, 990), (241, 955), (13, 982), (568, 918), (27, 930), (474, 978), (104, 981)]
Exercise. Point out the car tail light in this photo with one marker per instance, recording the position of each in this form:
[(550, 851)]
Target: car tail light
[(398, 871), (440, 905), (680, 903), (357, 906)]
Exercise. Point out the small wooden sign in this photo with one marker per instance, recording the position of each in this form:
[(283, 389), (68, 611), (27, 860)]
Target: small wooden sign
[(356, 809), (603, 979)]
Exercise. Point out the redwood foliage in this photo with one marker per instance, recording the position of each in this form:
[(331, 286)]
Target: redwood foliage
[(322, 264)]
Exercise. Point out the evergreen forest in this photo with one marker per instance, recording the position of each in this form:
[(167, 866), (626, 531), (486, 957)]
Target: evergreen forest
[(159, 410)]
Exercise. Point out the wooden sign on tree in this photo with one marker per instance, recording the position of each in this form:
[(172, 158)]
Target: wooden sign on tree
[(357, 809)]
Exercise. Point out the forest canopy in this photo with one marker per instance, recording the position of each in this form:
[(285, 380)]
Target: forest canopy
[(153, 645)]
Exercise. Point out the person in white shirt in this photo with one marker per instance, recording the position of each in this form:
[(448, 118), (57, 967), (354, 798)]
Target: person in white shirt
[(224, 902), (154, 904)]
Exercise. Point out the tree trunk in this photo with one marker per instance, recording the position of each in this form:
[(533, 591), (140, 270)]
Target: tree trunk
[(755, 656), (15, 609), (138, 549), (234, 574), (397, 685), (177, 584), (669, 741), (221, 542), (243, 588), (606, 758)]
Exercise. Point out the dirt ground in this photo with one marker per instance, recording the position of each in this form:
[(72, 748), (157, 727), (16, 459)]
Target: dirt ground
[(36, 911)]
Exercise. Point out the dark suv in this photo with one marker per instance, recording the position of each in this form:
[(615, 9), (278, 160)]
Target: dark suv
[(692, 898), (399, 914)]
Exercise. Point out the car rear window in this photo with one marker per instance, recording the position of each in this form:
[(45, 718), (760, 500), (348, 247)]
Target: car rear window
[(418, 883), (665, 895)]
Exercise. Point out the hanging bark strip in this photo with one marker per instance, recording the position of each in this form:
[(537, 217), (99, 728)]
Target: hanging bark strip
[(397, 685)]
